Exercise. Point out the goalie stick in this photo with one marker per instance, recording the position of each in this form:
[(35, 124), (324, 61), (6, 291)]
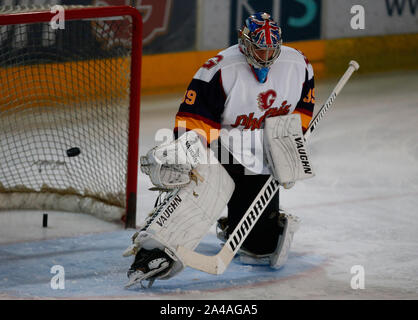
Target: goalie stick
[(218, 263)]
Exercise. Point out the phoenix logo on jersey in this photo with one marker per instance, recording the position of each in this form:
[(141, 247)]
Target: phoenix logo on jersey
[(265, 101)]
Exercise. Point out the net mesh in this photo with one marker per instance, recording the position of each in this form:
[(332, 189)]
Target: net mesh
[(64, 115)]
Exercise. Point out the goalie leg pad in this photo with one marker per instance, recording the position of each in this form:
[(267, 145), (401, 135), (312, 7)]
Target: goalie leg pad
[(187, 214)]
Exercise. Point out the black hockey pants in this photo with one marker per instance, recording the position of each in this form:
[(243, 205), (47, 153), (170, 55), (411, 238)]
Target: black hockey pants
[(263, 237)]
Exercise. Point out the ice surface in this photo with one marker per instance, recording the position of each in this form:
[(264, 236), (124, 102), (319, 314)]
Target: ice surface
[(94, 269), (359, 209)]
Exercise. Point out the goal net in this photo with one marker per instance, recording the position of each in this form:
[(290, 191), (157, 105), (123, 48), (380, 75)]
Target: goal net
[(69, 109)]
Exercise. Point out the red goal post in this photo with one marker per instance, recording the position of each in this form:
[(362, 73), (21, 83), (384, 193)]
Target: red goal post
[(18, 101)]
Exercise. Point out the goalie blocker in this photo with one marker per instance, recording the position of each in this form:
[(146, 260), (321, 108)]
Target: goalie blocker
[(285, 149)]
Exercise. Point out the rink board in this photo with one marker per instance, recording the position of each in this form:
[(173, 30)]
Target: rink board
[(94, 268)]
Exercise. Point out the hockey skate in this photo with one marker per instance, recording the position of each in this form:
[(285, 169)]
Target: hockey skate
[(148, 266), (222, 228), (290, 224)]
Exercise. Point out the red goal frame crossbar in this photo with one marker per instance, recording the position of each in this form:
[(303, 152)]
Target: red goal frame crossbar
[(135, 81)]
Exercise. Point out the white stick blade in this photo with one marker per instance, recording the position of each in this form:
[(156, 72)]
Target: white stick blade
[(216, 264)]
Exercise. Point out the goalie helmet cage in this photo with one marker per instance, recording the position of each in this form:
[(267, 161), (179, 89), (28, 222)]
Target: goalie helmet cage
[(69, 109)]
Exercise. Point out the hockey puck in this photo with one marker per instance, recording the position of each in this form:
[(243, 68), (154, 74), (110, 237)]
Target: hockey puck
[(45, 220), (73, 152)]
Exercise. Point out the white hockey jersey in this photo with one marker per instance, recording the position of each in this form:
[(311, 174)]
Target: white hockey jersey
[(225, 100)]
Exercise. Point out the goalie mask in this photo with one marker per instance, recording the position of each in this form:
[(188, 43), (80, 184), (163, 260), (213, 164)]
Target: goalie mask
[(260, 40)]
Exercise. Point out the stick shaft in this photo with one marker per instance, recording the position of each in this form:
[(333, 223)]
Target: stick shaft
[(353, 66)]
